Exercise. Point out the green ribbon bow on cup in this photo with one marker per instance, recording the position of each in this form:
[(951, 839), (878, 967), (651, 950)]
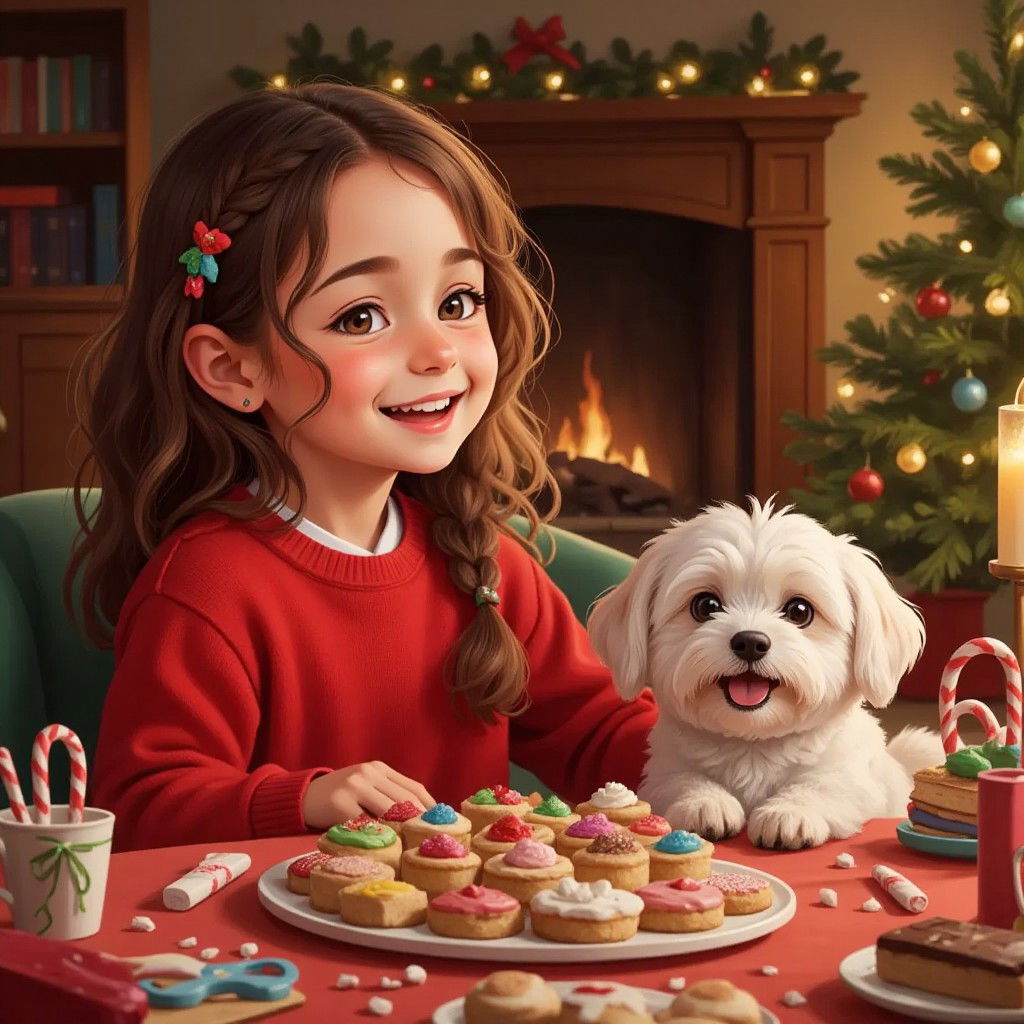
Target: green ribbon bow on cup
[(48, 863)]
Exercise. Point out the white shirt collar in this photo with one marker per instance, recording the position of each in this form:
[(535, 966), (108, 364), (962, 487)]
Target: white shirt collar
[(390, 536)]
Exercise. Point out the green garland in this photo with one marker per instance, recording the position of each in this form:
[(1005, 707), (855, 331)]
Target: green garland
[(481, 72)]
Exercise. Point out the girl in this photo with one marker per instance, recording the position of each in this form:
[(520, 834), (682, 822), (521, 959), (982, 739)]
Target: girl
[(310, 432)]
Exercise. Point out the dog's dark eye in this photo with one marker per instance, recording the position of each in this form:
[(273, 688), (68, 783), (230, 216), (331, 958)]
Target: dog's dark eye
[(704, 605), (799, 611)]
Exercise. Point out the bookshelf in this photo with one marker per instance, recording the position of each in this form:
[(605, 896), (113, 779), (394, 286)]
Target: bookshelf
[(85, 140)]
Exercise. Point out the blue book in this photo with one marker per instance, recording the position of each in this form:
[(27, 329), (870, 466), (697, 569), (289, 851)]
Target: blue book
[(75, 217), (37, 243), (106, 229)]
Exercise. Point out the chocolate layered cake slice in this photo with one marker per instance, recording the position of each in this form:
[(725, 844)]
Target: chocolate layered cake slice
[(955, 958)]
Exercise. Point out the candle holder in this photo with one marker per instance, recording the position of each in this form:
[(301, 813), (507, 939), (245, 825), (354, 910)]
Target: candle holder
[(1015, 573)]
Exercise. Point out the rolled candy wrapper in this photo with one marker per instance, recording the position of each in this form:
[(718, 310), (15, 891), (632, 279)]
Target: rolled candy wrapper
[(900, 888), (213, 872)]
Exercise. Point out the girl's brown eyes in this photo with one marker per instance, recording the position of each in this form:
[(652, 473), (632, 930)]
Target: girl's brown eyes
[(361, 318)]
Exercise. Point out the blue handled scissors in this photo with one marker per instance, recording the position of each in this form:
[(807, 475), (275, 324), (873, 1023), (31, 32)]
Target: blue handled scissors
[(246, 980)]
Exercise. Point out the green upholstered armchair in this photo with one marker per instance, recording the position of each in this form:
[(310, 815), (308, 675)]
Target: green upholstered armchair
[(49, 673)]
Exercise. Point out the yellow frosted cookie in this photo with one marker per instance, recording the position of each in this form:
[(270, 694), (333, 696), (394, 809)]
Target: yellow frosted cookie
[(383, 905)]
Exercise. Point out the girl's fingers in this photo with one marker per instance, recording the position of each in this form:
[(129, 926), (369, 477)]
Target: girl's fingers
[(414, 790), (398, 793)]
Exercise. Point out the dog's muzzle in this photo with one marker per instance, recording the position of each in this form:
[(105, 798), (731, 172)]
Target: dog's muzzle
[(747, 692)]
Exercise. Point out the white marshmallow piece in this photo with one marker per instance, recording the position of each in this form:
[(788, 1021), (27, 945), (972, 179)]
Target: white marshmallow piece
[(209, 953), (141, 924), (676, 984), (188, 943), (828, 897), (415, 975), (769, 970), (248, 949), (386, 982), (872, 906), (794, 998), (347, 981), (845, 860), (379, 1006)]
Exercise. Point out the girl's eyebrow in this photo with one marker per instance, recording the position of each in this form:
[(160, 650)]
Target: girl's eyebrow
[(380, 264)]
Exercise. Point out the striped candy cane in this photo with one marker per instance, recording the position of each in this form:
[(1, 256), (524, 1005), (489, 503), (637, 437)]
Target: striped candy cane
[(41, 772), (950, 710), (13, 787)]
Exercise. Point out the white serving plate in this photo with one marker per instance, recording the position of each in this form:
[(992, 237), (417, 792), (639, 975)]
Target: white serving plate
[(451, 1012), (295, 909), (858, 971)]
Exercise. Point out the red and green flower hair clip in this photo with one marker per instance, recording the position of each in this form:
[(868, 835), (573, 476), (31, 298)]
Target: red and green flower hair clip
[(199, 260)]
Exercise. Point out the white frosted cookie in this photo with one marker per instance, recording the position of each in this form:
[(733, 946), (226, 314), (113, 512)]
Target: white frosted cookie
[(594, 1002), (585, 912), (718, 999), (617, 802)]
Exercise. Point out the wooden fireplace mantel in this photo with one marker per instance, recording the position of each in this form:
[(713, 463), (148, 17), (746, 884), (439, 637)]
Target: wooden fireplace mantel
[(753, 163)]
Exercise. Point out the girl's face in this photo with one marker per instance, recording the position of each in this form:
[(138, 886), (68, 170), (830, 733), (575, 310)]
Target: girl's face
[(394, 317)]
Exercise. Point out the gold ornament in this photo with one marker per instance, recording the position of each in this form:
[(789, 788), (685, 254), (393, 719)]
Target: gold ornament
[(689, 72), (808, 76), (845, 389), (984, 156), (480, 77), (553, 81), (911, 458), (997, 302)]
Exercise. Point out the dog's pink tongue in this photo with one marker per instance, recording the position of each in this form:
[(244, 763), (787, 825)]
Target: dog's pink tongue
[(748, 689)]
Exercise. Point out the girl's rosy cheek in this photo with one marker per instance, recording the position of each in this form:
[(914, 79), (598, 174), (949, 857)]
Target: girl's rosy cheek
[(359, 375)]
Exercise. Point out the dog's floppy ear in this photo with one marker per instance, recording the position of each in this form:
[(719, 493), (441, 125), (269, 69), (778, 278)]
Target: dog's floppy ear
[(888, 632), (619, 625)]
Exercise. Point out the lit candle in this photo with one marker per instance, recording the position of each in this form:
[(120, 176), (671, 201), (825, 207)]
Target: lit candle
[(1011, 482)]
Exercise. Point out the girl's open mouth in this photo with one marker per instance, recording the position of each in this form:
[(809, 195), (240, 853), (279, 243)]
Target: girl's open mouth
[(425, 417)]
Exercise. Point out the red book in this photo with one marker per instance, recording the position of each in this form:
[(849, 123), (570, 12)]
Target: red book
[(21, 247), (29, 96), (65, 93), (33, 195)]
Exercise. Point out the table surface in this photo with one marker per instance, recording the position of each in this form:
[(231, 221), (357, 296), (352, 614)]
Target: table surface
[(807, 950)]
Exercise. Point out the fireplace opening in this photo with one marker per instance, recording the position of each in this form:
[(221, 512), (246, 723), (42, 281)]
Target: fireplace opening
[(646, 391)]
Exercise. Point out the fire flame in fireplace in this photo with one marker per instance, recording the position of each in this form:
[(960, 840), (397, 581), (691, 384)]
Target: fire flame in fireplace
[(595, 440)]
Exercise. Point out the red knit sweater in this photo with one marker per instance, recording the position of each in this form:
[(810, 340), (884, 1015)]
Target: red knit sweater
[(247, 664)]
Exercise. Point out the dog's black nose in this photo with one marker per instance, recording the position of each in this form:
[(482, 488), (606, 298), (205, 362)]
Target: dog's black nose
[(750, 645)]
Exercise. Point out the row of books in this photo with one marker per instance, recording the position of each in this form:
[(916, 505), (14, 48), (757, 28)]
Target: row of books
[(58, 94), (57, 242)]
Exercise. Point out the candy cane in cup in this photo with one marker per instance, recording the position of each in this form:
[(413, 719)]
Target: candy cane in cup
[(12, 786), (45, 738), (950, 710)]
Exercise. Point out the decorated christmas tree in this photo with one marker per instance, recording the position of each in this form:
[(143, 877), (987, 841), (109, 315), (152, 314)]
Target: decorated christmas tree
[(911, 469)]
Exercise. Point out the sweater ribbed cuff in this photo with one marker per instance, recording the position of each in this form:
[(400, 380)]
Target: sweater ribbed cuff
[(276, 807)]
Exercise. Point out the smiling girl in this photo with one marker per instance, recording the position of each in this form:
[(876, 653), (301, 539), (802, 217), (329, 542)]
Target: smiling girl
[(310, 432)]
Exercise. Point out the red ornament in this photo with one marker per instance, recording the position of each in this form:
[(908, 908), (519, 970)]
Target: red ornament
[(766, 73), (932, 302), (866, 485), (931, 378), (428, 82)]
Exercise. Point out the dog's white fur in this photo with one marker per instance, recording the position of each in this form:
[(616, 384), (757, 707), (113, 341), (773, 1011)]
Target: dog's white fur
[(812, 763)]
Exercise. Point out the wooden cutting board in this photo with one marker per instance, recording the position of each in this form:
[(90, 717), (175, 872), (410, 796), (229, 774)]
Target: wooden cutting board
[(225, 1009)]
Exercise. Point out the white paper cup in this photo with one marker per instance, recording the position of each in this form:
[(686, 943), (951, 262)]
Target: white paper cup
[(56, 874)]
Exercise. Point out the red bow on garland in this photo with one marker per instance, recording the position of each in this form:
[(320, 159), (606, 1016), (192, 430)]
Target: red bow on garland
[(531, 41)]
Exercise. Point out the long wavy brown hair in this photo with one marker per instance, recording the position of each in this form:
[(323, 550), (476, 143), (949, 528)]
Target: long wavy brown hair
[(261, 170)]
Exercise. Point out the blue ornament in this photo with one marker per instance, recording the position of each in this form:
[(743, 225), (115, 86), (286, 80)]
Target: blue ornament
[(1013, 211), (970, 394)]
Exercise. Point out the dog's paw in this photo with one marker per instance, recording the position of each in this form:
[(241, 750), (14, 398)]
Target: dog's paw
[(787, 827), (713, 816)]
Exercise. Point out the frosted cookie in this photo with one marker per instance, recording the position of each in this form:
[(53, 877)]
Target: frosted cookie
[(680, 855), (716, 998), (617, 802), (475, 912), (744, 894), (585, 912), (681, 905), (503, 834), (649, 829), (398, 814), (386, 904), (604, 1002), (437, 819), (512, 997), (554, 813), (299, 869), (326, 880), (583, 832), (525, 870), (371, 839), (486, 806), (438, 864), (618, 857)]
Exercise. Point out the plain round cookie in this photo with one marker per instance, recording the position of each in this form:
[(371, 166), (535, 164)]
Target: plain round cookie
[(718, 999), (512, 997)]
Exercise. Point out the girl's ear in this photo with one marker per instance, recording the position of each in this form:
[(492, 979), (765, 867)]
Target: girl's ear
[(225, 370)]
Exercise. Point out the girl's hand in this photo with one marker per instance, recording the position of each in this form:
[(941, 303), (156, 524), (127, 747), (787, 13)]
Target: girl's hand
[(346, 793)]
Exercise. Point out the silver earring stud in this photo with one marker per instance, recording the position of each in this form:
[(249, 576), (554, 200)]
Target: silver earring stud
[(246, 403)]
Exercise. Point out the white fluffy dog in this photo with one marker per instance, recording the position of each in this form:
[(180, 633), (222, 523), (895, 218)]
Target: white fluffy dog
[(761, 635)]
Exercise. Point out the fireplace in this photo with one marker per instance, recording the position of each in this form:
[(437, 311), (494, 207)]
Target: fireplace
[(687, 241)]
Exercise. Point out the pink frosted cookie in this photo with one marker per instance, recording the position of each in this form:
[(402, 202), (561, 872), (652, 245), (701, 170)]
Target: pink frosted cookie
[(744, 894), (580, 834), (681, 905), (525, 870), (440, 863), (475, 912), (326, 880)]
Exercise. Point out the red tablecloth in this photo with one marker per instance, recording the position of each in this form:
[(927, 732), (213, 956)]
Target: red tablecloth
[(807, 950)]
